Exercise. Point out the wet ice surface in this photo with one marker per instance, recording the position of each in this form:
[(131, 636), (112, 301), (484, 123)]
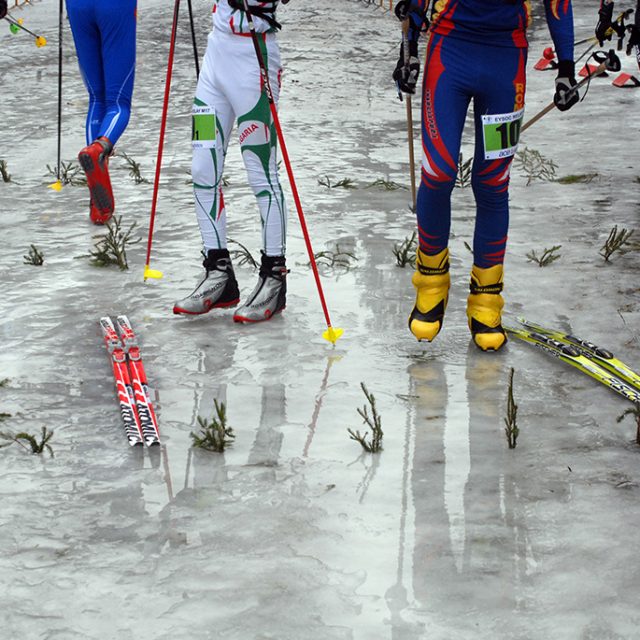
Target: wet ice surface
[(292, 532)]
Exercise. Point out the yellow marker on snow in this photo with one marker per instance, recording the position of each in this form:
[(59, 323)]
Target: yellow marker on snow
[(151, 273), (41, 41), (56, 186), (332, 334)]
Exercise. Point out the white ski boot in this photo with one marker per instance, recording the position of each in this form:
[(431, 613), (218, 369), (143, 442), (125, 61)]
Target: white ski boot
[(218, 288), (270, 295)]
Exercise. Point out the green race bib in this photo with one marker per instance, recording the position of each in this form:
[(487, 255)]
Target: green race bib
[(501, 133), (204, 127)]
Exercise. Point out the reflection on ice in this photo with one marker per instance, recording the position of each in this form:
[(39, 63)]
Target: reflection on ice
[(456, 458)]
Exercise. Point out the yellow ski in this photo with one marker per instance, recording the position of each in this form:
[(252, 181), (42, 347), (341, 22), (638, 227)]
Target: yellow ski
[(600, 356), (569, 353)]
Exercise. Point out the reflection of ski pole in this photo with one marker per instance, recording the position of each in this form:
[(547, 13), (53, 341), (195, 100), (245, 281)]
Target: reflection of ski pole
[(318, 404), (16, 25), (167, 472), (148, 272), (331, 334)]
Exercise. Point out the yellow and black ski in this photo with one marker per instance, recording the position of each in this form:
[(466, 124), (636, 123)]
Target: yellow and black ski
[(600, 356), (569, 353)]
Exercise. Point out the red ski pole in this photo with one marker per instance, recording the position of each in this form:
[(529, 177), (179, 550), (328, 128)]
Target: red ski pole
[(332, 333), (148, 272)]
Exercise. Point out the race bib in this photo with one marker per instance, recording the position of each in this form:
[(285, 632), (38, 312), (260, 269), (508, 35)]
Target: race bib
[(501, 133), (203, 135)]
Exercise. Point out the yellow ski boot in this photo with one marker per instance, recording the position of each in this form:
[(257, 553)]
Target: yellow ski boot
[(484, 307), (431, 280)]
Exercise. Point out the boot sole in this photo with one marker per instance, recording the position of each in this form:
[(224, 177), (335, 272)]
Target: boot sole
[(99, 188), (221, 305), (241, 319)]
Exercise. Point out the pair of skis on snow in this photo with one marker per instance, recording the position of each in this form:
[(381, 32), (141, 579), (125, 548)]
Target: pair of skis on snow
[(138, 415), (596, 362)]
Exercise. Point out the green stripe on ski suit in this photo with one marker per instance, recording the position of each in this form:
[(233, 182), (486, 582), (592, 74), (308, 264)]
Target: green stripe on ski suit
[(262, 113)]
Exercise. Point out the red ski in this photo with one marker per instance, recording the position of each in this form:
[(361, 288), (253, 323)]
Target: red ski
[(142, 395), (126, 398)]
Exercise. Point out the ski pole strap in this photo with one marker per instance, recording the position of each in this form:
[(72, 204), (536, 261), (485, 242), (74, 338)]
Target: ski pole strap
[(266, 11), (493, 289)]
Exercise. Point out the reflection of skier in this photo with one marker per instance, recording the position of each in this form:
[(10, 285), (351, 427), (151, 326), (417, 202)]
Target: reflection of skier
[(474, 52), (230, 88), (105, 37)]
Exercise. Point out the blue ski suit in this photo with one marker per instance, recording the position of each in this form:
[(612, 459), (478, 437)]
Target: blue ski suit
[(104, 32), (477, 51)]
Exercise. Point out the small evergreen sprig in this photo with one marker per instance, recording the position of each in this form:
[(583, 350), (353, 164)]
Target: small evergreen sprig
[(36, 446), (534, 165), (463, 176), (632, 411), (405, 252), (548, 256), (112, 248), (4, 171), (35, 257), (615, 242), (511, 429), (333, 259), (214, 435), (134, 169), (386, 185), (373, 422), (70, 173), (345, 183), (242, 255)]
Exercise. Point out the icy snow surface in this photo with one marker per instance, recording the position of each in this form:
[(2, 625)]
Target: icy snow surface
[(295, 533)]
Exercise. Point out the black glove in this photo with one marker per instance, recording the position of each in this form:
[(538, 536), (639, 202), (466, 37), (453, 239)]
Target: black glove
[(566, 96), (3, 8), (605, 16), (407, 71), (402, 9)]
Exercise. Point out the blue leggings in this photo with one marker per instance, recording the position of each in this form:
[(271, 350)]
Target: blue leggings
[(456, 72), (104, 32)]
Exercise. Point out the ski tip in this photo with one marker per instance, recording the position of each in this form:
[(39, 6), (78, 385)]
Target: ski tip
[(55, 186), (332, 334), (152, 273), (41, 42)]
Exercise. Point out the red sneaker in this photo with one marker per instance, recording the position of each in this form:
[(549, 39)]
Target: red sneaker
[(94, 160)]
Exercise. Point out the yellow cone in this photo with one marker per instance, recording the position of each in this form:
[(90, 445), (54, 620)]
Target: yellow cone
[(152, 273), (332, 334)]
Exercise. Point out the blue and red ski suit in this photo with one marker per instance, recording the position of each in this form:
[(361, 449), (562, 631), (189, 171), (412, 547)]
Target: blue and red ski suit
[(477, 50)]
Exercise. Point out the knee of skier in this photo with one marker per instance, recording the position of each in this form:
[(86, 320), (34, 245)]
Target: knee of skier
[(262, 172), (203, 170), (491, 185), (443, 185)]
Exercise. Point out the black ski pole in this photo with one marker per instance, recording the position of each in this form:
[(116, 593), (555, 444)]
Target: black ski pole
[(193, 39), (57, 185)]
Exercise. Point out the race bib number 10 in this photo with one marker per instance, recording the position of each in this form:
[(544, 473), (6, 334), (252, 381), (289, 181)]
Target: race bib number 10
[(204, 127), (501, 133)]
